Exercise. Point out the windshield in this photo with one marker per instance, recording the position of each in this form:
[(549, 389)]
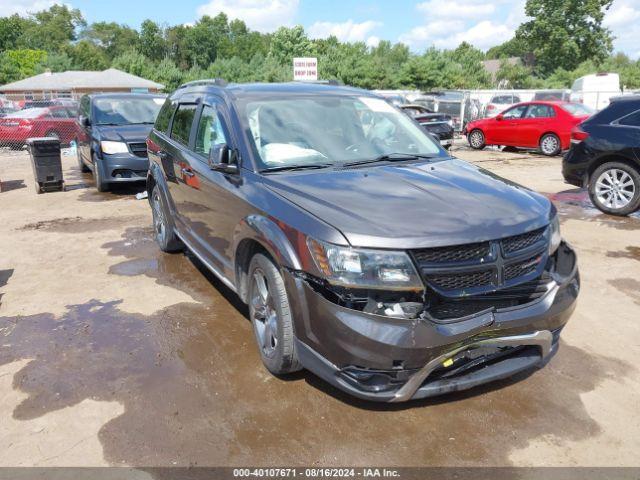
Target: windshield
[(126, 110), (30, 113), (577, 109), (328, 130)]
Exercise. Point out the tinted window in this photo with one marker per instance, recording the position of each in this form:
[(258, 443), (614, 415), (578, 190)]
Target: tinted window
[(540, 111), (632, 120), (210, 131), (515, 112), (182, 121), (164, 117)]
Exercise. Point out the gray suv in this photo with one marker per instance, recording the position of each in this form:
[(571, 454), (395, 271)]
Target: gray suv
[(366, 254)]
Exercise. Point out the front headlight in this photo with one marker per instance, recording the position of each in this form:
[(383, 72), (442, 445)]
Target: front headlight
[(113, 147), (554, 235), (364, 268)]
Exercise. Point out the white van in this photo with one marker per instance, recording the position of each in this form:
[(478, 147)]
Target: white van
[(596, 89)]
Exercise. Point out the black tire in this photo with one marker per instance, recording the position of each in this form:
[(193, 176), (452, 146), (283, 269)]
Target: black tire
[(165, 236), (476, 139), (81, 164), (101, 185), (271, 317), (550, 145), (603, 192)]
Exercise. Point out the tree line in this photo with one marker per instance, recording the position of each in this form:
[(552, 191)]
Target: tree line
[(563, 39)]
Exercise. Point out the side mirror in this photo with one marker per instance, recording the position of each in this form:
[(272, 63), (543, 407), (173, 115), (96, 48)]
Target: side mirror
[(223, 159), (84, 121), (499, 117)]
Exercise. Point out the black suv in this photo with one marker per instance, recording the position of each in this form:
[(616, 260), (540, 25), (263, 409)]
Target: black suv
[(113, 128), (605, 157), (365, 253)]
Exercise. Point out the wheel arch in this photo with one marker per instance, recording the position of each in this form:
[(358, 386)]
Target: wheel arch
[(260, 234), (593, 166)]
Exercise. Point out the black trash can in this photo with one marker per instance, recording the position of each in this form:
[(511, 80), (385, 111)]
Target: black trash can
[(46, 163)]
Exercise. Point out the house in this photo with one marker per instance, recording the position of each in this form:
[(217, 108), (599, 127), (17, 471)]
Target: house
[(73, 84)]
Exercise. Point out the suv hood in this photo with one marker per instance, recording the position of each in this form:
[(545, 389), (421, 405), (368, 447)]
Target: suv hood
[(403, 206), (123, 133)]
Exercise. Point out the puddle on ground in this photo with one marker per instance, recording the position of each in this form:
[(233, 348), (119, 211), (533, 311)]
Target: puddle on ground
[(195, 392), (80, 224), (628, 286), (632, 253), (9, 185), (575, 204)]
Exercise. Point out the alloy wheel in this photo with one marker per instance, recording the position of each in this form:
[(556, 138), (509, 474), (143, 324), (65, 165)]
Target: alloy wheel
[(263, 314), (476, 139), (549, 145), (158, 218), (615, 188)]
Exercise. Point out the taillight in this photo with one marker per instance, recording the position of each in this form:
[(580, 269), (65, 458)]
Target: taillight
[(578, 135), (491, 107)]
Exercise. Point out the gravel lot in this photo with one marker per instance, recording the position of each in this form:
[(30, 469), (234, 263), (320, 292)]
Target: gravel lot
[(113, 353)]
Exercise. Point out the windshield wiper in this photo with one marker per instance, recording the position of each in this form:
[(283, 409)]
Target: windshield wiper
[(392, 157), (286, 168)]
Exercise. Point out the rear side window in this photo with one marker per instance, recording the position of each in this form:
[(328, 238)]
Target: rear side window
[(540, 111), (164, 116), (210, 131), (632, 120), (182, 121)]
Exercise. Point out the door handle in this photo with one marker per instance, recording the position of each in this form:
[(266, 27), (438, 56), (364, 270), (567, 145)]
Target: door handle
[(188, 172)]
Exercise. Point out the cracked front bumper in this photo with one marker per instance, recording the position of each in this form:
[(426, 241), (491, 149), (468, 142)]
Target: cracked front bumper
[(332, 339)]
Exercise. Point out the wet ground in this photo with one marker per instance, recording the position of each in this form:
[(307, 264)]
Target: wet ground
[(113, 353)]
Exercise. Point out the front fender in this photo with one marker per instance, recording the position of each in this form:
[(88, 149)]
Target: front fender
[(155, 177)]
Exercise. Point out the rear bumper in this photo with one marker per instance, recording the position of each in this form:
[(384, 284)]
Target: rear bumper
[(333, 341), (575, 164)]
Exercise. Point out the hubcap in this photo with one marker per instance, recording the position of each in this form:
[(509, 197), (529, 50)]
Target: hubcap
[(615, 188), (476, 139), (549, 144), (158, 218), (263, 314)]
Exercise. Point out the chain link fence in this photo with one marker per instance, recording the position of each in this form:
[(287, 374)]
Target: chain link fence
[(24, 116)]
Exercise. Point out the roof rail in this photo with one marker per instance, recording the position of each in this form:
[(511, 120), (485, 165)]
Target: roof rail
[(219, 82)]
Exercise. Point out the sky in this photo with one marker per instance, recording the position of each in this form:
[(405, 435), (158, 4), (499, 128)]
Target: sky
[(419, 24)]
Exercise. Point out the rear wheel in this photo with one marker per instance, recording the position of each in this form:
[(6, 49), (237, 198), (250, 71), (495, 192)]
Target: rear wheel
[(477, 140), (550, 144), (271, 316), (166, 238), (614, 188)]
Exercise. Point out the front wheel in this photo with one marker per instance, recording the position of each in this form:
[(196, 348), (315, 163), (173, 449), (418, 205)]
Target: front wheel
[(83, 168), (550, 145), (271, 317), (614, 188), (101, 185), (477, 140)]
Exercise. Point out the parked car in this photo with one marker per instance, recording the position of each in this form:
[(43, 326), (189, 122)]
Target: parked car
[(604, 157), (54, 121), (439, 125), (113, 132), (364, 252), (499, 103), (542, 125), (449, 103), (596, 90)]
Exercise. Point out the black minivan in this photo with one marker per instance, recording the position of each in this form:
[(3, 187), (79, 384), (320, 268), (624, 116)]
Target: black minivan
[(365, 253), (113, 128)]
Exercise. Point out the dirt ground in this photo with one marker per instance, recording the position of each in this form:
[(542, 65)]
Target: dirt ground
[(113, 353)]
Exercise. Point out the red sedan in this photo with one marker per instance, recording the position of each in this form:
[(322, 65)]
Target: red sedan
[(53, 121), (543, 125)]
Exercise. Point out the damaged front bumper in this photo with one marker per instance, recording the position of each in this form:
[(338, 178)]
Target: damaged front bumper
[(380, 358)]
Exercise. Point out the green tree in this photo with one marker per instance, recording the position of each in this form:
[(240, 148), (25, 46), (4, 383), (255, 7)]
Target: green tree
[(135, 63), (287, 43), (517, 75), (86, 55), (168, 74), (564, 33), (11, 29), (52, 29), (55, 62), (115, 39), (151, 42)]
